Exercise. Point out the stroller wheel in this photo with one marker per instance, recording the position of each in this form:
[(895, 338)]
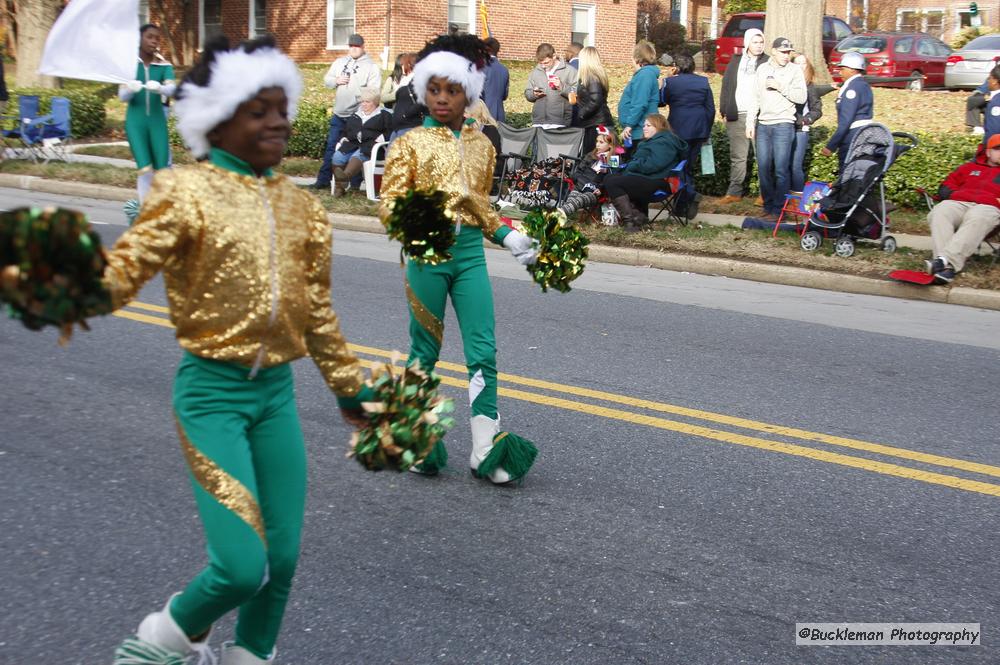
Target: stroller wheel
[(888, 244), (811, 241), (844, 247)]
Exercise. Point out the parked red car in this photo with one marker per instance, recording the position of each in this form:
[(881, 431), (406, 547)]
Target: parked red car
[(730, 42), (897, 54)]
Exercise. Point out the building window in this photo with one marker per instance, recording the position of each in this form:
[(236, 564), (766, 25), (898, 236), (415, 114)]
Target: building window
[(143, 12), (339, 23), (907, 20), (211, 19), (582, 25), (258, 18), (929, 20), (934, 22), (461, 16)]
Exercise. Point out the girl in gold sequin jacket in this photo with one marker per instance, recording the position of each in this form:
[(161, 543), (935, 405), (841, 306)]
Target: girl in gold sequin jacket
[(451, 155), (246, 260)]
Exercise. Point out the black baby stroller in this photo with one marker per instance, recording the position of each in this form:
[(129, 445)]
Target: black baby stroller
[(855, 208)]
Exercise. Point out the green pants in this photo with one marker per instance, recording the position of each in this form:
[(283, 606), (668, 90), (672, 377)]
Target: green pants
[(464, 278), (148, 139), (244, 448)]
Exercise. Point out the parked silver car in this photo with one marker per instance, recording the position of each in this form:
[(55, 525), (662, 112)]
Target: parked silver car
[(968, 67)]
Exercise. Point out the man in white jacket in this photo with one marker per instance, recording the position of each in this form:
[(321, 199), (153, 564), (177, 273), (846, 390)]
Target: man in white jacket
[(348, 75), (771, 124)]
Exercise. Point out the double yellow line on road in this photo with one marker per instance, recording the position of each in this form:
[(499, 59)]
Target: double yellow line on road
[(445, 369)]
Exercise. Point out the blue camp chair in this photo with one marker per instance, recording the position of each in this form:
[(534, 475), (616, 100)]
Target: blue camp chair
[(14, 128), (44, 136), (670, 196)]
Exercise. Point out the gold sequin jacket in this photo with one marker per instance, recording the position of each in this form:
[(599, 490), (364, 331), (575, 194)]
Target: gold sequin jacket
[(246, 262), (432, 157)]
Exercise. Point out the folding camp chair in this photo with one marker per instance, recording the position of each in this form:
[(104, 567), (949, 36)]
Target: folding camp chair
[(565, 142), (800, 205), (516, 146), (669, 197), (18, 131), (56, 136)]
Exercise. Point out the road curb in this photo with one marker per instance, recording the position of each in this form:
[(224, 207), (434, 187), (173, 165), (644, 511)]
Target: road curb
[(702, 265)]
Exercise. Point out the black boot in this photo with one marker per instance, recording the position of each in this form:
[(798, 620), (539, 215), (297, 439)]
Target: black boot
[(629, 215)]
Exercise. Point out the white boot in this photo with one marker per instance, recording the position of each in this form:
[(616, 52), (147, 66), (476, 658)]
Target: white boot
[(160, 641), (483, 431), (236, 655)]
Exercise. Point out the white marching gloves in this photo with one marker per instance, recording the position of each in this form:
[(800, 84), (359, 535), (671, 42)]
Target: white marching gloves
[(134, 86), (524, 248), (168, 89), (126, 91), (153, 86)]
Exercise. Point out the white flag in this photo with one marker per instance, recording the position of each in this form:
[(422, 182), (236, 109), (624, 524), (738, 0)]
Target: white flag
[(95, 40)]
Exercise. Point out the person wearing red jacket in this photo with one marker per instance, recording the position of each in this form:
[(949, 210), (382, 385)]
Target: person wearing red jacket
[(969, 210)]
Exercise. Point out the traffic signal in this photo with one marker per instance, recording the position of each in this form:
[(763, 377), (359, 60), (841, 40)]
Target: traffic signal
[(973, 8)]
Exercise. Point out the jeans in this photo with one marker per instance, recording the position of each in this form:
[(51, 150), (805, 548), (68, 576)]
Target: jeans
[(774, 156), (325, 174), (739, 149), (341, 158), (801, 145)]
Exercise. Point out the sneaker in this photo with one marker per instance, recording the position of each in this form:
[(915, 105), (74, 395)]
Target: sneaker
[(944, 277), (935, 266)]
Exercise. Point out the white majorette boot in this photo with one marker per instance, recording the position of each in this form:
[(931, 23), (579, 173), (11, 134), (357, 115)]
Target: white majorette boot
[(160, 641), (501, 457), (236, 655)]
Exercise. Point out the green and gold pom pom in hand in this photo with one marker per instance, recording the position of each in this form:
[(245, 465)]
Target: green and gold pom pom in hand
[(405, 419), (421, 221), (51, 269), (562, 251)]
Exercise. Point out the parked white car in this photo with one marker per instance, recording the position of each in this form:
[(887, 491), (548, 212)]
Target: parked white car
[(968, 67)]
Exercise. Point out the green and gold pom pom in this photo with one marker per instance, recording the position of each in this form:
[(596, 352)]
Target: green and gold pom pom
[(406, 418), (51, 269), (421, 221), (562, 251)]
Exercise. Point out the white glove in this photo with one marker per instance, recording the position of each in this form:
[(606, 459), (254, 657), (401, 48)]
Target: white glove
[(168, 89), (134, 86), (153, 86), (524, 248)]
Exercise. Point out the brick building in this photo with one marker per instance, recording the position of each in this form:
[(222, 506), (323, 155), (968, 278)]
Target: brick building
[(317, 30)]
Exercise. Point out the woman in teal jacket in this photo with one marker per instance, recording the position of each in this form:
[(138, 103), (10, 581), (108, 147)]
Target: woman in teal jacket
[(654, 159), (642, 94)]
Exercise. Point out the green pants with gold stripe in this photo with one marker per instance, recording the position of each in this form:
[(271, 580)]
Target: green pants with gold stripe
[(244, 448), (465, 279)]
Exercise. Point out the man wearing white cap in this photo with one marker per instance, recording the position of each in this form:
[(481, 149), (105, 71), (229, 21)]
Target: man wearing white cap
[(855, 106)]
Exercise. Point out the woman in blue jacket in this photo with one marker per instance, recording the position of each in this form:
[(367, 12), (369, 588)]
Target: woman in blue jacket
[(653, 160), (692, 111), (642, 95)]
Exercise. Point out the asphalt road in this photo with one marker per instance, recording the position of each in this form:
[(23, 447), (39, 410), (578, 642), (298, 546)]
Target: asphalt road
[(719, 460)]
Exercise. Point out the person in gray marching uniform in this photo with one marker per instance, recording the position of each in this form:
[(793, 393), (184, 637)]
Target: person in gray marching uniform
[(855, 106)]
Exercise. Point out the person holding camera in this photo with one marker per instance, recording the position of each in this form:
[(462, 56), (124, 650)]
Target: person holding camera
[(551, 85), (348, 75), (779, 87)]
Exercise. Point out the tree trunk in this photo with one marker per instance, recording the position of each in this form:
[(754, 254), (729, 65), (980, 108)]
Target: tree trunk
[(34, 20), (801, 21)]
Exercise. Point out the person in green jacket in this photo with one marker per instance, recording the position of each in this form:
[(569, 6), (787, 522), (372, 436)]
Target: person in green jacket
[(632, 190), (642, 94), (146, 116)]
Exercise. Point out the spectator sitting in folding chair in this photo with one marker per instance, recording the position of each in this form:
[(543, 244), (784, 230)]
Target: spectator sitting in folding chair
[(968, 213), (588, 176), (632, 191), (368, 125)]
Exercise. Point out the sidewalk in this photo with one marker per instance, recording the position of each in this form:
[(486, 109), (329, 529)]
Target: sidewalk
[(704, 265)]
